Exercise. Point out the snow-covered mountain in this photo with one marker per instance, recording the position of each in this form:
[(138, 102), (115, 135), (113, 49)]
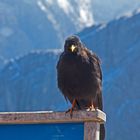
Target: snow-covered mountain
[(28, 76), (29, 82), (118, 45), (41, 24), (106, 10)]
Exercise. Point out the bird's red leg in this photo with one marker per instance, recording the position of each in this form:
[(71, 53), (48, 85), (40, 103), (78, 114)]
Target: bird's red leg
[(71, 109)]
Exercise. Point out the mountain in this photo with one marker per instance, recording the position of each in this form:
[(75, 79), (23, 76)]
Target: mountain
[(107, 10), (1, 63), (118, 45), (28, 79), (20, 27), (36, 24), (28, 82), (41, 24)]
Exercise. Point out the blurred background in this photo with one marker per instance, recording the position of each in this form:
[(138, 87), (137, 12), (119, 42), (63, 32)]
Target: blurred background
[(32, 33)]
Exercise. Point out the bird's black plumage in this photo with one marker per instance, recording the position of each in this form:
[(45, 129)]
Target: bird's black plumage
[(79, 76)]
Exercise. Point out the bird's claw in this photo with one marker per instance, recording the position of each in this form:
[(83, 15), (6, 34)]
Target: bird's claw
[(70, 111), (91, 108)]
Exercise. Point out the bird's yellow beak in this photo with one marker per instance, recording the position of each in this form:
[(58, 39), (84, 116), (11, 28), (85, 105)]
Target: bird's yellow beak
[(72, 48)]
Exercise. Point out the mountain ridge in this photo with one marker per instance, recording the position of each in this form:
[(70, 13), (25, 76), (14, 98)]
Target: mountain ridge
[(29, 83)]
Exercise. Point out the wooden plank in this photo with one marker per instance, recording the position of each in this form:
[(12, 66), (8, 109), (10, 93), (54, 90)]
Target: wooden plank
[(51, 117), (91, 130)]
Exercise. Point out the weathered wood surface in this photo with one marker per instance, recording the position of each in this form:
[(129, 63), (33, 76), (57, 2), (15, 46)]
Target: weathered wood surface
[(91, 130), (51, 117)]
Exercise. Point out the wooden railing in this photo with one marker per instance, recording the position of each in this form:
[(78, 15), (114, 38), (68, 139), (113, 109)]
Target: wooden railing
[(91, 119)]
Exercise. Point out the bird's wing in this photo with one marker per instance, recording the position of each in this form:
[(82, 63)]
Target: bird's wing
[(58, 66), (59, 61), (99, 74), (94, 59), (98, 63)]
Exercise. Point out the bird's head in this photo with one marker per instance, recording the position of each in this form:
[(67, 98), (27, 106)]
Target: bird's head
[(72, 44)]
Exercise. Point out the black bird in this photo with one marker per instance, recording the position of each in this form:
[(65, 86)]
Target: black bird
[(80, 78)]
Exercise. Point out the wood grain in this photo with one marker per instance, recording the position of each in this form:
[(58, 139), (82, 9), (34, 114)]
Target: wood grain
[(91, 130), (51, 117)]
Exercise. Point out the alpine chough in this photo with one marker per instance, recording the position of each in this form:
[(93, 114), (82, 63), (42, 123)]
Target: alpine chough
[(79, 77)]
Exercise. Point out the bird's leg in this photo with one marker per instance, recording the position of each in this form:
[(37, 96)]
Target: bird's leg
[(79, 107), (71, 109)]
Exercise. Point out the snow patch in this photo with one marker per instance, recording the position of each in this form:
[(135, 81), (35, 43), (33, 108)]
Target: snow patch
[(128, 14), (79, 13), (41, 5), (65, 5), (86, 16), (137, 11)]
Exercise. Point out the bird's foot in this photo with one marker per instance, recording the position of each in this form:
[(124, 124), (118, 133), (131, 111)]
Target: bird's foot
[(70, 111), (91, 108), (72, 108)]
